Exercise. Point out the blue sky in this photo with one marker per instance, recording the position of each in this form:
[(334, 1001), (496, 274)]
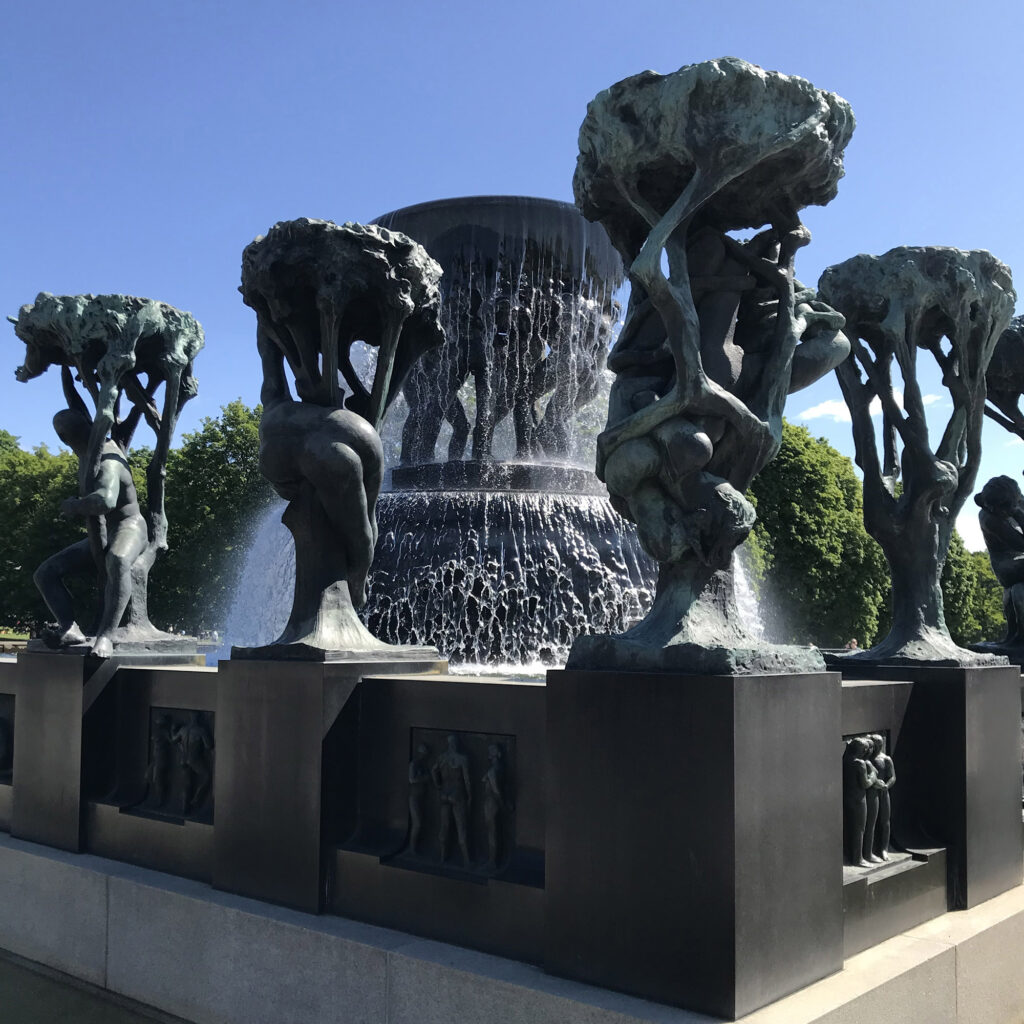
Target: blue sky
[(147, 144)]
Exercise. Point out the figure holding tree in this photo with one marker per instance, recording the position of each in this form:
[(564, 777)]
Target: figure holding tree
[(317, 289), (122, 350), (717, 333), (951, 305)]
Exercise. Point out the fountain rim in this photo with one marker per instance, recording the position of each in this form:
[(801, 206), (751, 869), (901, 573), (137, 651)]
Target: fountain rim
[(490, 199)]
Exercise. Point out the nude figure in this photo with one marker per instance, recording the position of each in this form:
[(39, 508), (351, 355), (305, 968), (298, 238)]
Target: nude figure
[(194, 745), (859, 777), (419, 774), (886, 780), (451, 779), (117, 529)]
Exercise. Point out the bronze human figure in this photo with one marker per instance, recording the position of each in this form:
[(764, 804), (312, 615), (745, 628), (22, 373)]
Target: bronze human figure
[(859, 776), (1002, 525), (194, 745), (494, 800), (114, 505), (886, 779), (121, 349), (419, 775), (450, 774)]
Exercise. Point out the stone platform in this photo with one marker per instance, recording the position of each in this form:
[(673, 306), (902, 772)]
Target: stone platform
[(215, 958)]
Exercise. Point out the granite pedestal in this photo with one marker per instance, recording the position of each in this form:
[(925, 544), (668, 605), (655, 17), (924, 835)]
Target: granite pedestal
[(958, 783), (54, 693), (694, 835), (273, 718), (8, 701), (382, 876)]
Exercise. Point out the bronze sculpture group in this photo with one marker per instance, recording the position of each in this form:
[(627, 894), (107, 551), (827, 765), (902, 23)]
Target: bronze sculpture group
[(868, 776), (717, 333)]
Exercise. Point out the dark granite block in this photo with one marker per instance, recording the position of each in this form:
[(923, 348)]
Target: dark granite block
[(694, 831), (957, 757), (381, 876), (883, 901), (272, 720)]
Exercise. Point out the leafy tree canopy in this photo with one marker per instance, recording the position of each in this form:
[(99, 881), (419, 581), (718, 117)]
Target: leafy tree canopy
[(827, 580)]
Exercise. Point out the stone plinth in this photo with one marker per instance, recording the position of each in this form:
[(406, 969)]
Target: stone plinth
[(958, 782), (273, 718), (694, 835)]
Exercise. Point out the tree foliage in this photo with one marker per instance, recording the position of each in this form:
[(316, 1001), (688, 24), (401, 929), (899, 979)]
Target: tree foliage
[(827, 580), (216, 496), (988, 601), (32, 486), (960, 592)]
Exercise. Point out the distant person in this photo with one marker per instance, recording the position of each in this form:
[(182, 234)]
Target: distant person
[(852, 645)]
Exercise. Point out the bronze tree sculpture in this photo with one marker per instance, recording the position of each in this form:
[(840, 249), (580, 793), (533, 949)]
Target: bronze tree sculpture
[(717, 331), (953, 305), (318, 288), (122, 350)]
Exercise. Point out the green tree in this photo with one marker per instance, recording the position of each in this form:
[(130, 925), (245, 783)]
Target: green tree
[(216, 497), (8, 443), (959, 582), (988, 600), (827, 579), (32, 486)]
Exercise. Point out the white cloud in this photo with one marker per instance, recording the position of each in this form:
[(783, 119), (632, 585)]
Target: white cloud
[(836, 411), (1013, 441), (832, 409)]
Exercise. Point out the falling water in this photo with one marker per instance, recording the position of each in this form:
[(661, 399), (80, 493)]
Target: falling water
[(746, 599), (504, 553), (263, 596), (526, 573), (532, 572)]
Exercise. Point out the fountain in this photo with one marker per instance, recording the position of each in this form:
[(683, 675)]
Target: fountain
[(496, 541)]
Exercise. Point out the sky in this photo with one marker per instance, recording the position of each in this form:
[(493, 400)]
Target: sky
[(146, 144)]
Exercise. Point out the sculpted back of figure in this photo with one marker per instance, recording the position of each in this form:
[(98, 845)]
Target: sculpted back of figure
[(711, 347), (317, 288), (122, 350), (1002, 525)]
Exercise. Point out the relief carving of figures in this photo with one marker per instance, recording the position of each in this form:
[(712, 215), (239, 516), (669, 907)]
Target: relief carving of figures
[(450, 774), (460, 793), (886, 772), (195, 746), (494, 801), (419, 776), (6, 745), (525, 330), (859, 777), (121, 349), (160, 758)]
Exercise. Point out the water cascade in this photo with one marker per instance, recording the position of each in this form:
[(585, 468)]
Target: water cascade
[(496, 540)]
